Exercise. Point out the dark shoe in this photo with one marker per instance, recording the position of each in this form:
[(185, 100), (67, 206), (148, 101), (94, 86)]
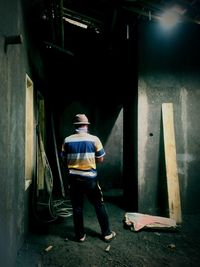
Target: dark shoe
[(109, 237), (82, 239)]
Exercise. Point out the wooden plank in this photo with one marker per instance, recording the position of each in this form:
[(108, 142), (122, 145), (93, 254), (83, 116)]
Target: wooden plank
[(29, 132), (171, 163)]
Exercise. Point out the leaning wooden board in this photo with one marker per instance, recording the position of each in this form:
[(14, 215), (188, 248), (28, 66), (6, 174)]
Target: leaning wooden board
[(171, 163)]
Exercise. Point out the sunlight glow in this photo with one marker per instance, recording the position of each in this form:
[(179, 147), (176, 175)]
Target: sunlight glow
[(169, 19)]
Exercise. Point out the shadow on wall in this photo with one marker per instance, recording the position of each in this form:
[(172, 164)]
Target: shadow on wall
[(162, 195)]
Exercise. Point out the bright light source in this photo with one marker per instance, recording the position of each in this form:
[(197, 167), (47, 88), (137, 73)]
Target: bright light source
[(170, 19), (75, 22)]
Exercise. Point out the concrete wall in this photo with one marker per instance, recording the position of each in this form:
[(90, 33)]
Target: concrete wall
[(169, 72), (12, 76), (14, 65)]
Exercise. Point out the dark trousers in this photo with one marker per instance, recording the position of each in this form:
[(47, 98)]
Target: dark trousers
[(79, 188)]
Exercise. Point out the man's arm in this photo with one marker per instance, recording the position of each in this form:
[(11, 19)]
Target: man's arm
[(99, 160)]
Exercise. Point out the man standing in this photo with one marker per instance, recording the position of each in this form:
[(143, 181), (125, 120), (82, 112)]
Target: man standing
[(80, 152)]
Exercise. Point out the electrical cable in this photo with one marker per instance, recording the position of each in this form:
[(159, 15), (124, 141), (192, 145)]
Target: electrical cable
[(56, 208)]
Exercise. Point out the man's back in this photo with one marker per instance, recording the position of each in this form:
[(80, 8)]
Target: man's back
[(81, 151)]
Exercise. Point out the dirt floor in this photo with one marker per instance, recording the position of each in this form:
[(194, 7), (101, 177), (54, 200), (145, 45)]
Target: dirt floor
[(146, 248)]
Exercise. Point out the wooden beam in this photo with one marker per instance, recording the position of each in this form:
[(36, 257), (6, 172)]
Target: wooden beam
[(171, 163)]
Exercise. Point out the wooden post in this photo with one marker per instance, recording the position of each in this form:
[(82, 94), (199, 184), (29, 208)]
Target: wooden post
[(171, 163)]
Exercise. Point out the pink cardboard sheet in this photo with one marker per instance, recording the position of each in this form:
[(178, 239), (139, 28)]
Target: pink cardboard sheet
[(137, 221)]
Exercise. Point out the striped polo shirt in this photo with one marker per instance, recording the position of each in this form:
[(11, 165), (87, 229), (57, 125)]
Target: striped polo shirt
[(80, 151)]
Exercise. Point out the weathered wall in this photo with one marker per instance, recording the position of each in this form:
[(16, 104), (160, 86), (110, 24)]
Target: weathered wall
[(169, 72), (12, 76), (14, 64)]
